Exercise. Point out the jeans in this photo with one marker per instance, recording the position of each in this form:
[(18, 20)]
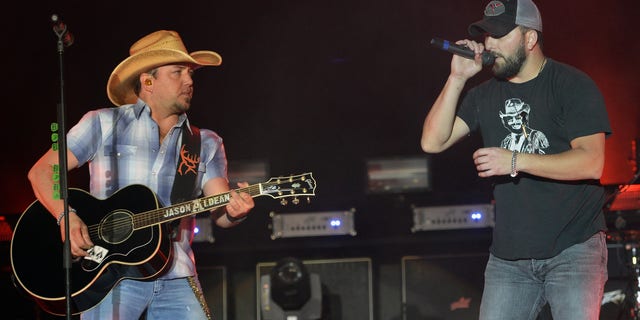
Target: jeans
[(571, 282), (162, 299)]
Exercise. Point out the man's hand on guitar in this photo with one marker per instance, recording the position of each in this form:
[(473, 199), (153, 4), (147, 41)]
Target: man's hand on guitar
[(78, 235), (240, 203)]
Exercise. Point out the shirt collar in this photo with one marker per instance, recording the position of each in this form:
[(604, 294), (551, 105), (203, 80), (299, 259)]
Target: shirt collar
[(140, 106)]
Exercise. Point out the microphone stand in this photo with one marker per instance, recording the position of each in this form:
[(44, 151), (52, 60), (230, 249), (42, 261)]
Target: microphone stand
[(65, 39)]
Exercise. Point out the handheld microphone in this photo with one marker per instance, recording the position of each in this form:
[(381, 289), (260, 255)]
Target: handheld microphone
[(61, 30), (487, 57)]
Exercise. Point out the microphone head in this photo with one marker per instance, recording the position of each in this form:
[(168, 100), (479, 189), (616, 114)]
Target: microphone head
[(488, 58)]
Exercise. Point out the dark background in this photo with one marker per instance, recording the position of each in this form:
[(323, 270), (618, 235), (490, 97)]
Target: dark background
[(307, 86)]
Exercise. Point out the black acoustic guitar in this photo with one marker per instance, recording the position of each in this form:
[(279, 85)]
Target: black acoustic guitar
[(130, 236)]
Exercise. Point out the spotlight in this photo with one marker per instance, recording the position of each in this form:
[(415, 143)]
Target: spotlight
[(290, 292)]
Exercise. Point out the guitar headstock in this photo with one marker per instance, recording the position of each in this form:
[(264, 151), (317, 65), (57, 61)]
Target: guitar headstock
[(289, 186)]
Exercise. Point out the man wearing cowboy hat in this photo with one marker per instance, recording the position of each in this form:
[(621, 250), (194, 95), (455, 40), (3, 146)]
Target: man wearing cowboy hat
[(142, 141), (521, 137), (548, 243)]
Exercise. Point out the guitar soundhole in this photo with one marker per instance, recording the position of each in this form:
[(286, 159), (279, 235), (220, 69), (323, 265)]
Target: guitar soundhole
[(116, 227)]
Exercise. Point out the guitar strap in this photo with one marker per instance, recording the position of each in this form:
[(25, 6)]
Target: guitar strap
[(186, 171)]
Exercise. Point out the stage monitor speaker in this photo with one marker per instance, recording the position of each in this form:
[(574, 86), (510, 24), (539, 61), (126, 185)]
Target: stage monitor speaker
[(213, 280), (442, 287), (346, 287)]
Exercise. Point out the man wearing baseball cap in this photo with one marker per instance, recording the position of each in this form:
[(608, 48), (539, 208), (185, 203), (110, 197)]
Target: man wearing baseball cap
[(146, 139), (548, 242)]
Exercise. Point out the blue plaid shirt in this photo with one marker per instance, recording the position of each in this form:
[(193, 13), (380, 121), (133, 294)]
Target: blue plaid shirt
[(122, 146)]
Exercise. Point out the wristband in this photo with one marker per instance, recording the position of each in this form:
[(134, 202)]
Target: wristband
[(233, 219), (514, 171), (62, 215)]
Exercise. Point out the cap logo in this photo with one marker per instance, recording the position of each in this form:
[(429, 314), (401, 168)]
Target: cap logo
[(494, 8)]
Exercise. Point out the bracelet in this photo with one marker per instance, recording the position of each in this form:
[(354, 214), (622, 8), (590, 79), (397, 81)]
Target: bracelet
[(62, 215), (233, 219), (514, 171)]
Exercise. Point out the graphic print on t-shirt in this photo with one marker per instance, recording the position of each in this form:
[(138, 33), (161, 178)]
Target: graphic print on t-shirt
[(521, 137)]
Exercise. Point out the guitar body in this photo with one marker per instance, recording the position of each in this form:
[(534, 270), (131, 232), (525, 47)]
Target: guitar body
[(130, 240), (122, 251)]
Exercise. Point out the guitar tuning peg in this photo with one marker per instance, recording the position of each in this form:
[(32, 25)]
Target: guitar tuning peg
[(283, 202), (295, 200)]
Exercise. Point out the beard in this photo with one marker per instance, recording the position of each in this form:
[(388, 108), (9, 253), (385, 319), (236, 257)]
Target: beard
[(512, 65), (182, 104)]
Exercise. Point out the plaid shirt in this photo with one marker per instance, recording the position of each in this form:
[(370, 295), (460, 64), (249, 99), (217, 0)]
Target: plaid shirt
[(122, 146)]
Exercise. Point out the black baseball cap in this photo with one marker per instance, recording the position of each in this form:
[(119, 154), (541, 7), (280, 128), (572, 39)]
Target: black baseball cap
[(500, 17)]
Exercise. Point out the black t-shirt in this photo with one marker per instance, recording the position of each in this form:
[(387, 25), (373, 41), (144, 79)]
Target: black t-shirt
[(537, 217)]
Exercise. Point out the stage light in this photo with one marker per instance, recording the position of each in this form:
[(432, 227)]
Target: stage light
[(396, 175), (475, 216), (203, 229), (6, 233), (290, 292)]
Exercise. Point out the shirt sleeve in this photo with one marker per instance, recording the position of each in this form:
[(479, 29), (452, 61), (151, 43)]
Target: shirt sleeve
[(584, 107), (84, 138), (468, 110), (216, 158)]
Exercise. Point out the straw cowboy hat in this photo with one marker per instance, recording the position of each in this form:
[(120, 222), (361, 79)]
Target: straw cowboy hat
[(154, 50)]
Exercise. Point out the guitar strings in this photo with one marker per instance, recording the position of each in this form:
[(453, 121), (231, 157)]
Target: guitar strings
[(131, 221)]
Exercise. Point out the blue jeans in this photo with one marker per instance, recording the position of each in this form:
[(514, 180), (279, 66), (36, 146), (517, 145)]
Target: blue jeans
[(571, 282), (163, 299)]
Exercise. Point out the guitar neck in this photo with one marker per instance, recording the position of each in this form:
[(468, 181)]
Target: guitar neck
[(277, 187), (189, 208)]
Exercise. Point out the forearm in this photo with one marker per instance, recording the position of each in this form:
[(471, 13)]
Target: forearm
[(41, 176), (42, 182), (239, 203), (569, 165), (225, 220), (438, 127), (579, 163)]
